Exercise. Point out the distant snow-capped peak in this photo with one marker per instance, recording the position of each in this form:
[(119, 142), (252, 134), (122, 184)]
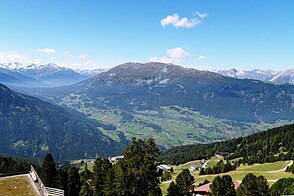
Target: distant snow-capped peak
[(19, 66), (286, 76), (14, 65)]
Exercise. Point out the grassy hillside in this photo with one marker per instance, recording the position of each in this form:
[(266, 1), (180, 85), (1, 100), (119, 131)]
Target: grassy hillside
[(272, 172), (261, 147)]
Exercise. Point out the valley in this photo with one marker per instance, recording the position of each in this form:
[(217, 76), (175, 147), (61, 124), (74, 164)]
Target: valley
[(170, 103), (176, 105), (169, 125)]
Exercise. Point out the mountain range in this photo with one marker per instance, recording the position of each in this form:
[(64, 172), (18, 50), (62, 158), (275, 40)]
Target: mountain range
[(286, 76), (175, 105), (47, 75), (32, 128)]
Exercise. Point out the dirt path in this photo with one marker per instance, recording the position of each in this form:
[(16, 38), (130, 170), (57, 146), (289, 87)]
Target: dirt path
[(169, 181), (284, 169), (205, 164)]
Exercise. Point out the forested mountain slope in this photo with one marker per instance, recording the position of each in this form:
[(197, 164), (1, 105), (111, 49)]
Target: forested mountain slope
[(259, 147), (30, 127)]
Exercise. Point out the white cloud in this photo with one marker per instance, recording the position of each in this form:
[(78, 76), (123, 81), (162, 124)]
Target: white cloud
[(174, 55), (184, 22), (46, 50), (202, 57), (201, 15), (12, 57)]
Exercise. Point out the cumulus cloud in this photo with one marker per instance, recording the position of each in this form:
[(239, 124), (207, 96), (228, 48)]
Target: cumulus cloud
[(173, 55), (202, 57), (184, 22), (46, 50)]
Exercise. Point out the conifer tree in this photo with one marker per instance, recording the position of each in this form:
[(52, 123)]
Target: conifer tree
[(86, 187), (173, 190), (100, 169), (253, 186), (110, 187), (137, 173), (73, 182), (49, 171), (279, 187), (222, 186), (62, 180), (184, 182)]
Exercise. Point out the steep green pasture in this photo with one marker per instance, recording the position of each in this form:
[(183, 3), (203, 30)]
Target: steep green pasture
[(169, 125), (271, 171)]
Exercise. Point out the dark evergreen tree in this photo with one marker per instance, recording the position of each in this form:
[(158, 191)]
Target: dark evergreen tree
[(110, 186), (263, 186), (289, 190), (10, 165), (220, 167), (279, 187), (49, 171), (184, 182), (217, 187), (253, 186), (62, 180), (73, 182), (100, 170), (137, 173), (228, 185), (173, 190), (86, 187)]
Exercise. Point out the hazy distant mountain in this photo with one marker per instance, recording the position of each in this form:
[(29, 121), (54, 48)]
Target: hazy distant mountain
[(47, 75), (286, 76), (177, 105), (31, 128), (12, 77), (52, 74)]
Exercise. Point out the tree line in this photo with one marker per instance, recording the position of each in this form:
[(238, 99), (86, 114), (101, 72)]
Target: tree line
[(256, 148), (220, 167), (10, 165)]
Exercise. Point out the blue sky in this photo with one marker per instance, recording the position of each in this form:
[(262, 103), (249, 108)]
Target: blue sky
[(203, 34)]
